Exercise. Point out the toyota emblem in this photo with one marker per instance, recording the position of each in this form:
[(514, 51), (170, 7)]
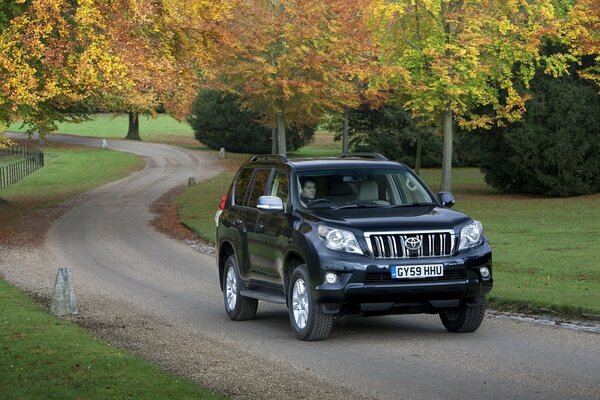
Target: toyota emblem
[(412, 243)]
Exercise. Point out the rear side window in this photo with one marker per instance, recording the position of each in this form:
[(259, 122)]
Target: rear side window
[(260, 184), (241, 186)]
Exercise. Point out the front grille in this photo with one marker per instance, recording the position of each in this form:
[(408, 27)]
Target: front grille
[(386, 277), (397, 245)]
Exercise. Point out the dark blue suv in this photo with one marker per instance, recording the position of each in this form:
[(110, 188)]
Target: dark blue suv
[(358, 234)]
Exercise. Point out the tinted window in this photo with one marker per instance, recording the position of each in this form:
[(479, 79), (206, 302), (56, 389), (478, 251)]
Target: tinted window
[(260, 184), (279, 187), (241, 185)]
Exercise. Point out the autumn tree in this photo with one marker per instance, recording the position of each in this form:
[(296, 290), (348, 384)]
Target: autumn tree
[(162, 46), (582, 34), (290, 60), (54, 53), (459, 61), (62, 58)]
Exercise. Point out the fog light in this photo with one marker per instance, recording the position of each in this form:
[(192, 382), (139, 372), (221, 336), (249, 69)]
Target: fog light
[(331, 278), (485, 273)]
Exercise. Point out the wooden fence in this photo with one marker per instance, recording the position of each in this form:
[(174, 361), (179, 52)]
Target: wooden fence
[(32, 160)]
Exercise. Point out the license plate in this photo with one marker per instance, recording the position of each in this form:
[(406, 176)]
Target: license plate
[(417, 271)]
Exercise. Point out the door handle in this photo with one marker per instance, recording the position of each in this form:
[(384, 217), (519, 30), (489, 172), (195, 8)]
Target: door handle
[(237, 222), (259, 227)]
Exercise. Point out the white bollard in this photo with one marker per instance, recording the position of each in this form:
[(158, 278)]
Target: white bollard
[(104, 144), (63, 298), (222, 153)]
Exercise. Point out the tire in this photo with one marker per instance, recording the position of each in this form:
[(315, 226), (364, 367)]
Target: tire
[(238, 307), (466, 318), (307, 319)]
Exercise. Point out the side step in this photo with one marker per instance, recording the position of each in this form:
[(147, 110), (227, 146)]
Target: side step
[(271, 298)]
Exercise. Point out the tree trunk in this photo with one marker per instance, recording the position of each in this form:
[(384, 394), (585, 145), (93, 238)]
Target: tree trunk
[(281, 134), (133, 133), (42, 135), (274, 147), (447, 160), (419, 152), (345, 146)]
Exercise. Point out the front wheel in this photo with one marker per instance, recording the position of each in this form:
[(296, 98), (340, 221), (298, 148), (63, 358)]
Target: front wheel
[(238, 307), (465, 318), (307, 319)]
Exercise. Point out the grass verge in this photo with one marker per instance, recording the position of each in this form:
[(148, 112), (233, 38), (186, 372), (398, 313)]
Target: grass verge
[(44, 357)]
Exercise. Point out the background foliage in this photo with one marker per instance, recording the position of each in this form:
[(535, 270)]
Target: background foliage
[(555, 149), (218, 121)]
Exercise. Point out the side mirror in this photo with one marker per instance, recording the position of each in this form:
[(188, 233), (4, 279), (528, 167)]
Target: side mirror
[(446, 198), (270, 204)]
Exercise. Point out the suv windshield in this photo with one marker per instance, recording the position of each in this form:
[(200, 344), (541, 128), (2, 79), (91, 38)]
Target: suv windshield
[(361, 188)]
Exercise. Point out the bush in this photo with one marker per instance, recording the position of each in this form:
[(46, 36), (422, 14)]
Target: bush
[(392, 132), (218, 121), (555, 149)]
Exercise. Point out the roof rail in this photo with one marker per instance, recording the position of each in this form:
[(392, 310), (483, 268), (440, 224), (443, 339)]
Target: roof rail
[(268, 157), (377, 156)]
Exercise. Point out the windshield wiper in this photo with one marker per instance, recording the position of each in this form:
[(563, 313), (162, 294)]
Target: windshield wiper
[(358, 206), (411, 205)]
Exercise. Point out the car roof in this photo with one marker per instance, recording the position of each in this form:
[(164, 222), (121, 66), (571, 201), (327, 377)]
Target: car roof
[(373, 160), (347, 162)]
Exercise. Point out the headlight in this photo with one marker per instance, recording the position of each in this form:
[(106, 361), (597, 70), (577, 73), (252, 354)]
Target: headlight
[(339, 239), (470, 235)]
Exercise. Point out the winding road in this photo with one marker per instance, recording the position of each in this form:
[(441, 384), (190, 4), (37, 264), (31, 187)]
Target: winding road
[(160, 298)]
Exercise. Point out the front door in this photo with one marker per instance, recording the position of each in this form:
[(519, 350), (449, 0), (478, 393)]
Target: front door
[(272, 231)]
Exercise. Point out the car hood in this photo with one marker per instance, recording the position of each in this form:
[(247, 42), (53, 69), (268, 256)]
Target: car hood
[(417, 218)]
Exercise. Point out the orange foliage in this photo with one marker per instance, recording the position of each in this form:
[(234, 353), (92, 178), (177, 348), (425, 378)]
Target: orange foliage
[(298, 58)]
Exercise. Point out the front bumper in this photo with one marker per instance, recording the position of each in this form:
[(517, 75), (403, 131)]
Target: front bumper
[(365, 284)]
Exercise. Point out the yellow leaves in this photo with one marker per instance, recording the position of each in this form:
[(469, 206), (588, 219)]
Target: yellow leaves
[(463, 52)]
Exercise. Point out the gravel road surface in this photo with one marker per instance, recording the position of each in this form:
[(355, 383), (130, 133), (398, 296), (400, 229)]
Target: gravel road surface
[(160, 298)]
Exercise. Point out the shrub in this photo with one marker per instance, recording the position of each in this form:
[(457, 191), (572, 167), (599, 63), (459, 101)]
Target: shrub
[(392, 132), (555, 149), (218, 121)]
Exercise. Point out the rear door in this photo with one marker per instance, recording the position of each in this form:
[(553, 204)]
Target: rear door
[(256, 250), (240, 218)]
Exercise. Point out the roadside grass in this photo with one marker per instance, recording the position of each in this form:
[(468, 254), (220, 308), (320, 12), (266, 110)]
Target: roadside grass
[(44, 357), (68, 171), (545, 249), (163, 128)]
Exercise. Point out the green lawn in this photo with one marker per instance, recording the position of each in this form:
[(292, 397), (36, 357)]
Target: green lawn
[(43, 357), (163, 128)]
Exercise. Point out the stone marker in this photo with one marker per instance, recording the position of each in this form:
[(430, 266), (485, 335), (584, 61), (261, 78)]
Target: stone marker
[(191, 181), (104, 144), (63, 298), (222, 153)]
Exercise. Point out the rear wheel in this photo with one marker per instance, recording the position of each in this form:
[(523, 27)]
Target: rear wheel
[(307, 319), (465, 318), (238, 307)]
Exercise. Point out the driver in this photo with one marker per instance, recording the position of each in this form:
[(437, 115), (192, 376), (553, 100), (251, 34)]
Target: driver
[(309, 191)]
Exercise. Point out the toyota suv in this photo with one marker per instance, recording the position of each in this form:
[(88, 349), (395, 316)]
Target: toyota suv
[(358, 234)]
